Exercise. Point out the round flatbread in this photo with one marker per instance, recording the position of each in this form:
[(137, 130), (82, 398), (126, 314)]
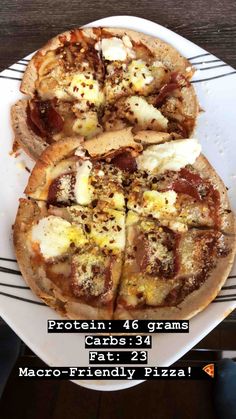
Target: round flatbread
[(113, 234), (90, 80)]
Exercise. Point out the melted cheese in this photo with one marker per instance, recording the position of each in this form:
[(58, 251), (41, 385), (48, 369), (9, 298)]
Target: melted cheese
[(62, 94), (156, 291), (87, 126), (159, 202), (108, 229), (118, 200), (54, 235), (83, 189), (85, 87), (92, 283), (145, 113), (132, 218), (115, 49), (139, 74), (173, 155)]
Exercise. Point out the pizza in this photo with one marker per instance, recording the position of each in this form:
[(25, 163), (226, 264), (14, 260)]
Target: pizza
[(87, 81), (125, 225)]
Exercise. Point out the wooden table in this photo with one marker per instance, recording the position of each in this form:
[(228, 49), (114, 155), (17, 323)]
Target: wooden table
[(24, 26)]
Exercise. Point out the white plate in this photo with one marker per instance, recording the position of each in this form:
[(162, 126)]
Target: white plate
[(215, 129)]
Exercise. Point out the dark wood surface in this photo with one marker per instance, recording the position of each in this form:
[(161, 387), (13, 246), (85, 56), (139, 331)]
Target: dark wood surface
[(163, 399), (24, 26)]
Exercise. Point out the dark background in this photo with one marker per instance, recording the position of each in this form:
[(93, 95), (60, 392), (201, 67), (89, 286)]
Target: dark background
[(24, 26)]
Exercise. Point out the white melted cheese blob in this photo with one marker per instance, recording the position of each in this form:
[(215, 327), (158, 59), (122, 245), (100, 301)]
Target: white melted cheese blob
[(115, 49), (173, 155), (83, 189), (144, 112), (54, 235)]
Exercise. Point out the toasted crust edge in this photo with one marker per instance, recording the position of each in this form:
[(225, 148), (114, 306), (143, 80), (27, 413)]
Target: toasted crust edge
[(49, 158), (31, 143), (228, 223)]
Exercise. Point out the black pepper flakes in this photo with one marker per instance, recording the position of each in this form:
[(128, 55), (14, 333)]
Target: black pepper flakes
[(87, 228)]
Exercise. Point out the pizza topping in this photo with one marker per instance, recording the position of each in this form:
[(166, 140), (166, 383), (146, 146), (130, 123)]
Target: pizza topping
[(115, 49), (154, 252), (108, 229), (84, 184), (139, 112), (139, 74), (173, 155), (84, 87), (59, 273), (83, 188), (45, 117), (159, 205), (54, 235), (61, 189), (183, 186), (176, 81), (200, 189), (191, 177), (91, 275), (31, 124), (159, 202), (87, 125), (167, 267), (198, 251), (125, 161)]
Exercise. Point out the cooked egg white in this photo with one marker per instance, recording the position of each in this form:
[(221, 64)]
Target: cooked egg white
[(173, 155), (54, 235)]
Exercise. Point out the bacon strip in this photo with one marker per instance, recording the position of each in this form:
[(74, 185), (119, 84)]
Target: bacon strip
[(125, 161), (183, 186), (176, 81), (45, 117)]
